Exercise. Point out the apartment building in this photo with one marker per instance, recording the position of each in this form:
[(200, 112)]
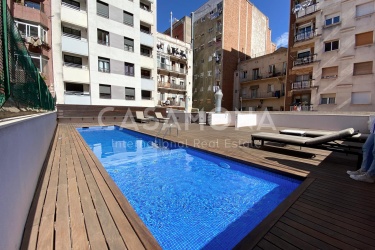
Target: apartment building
[(331, 54), (181, 29), (104, 52), (174, 73), (225, 32), (33, 20), (260, 82)]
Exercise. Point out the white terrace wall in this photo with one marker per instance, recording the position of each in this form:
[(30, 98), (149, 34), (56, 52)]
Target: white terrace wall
[(318, 121), (23, 147)]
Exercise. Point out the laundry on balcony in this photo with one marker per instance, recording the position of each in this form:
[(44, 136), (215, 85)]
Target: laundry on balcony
[(34, 41)]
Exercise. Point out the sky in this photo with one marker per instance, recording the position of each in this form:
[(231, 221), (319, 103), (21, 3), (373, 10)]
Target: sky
[(276, 10)]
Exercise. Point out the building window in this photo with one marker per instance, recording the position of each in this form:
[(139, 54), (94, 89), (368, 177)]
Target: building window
[(128, 18), (103, 37), (103, 65), (128, 44), (70, 32), (146, 95), (71, 4), (129, 69), (244, 74), (30, 30), (146, 73), (362, 68), (329, 46), (104, 91), (33, 5), (364, 9), (332, 19), (330, 72), (327, 98), (304, 33), (270, 88), (271, 69), (209, 73), (40, 62), (146, 51), (145, 29), (182, 83), (144, 6), (102, 9), (72, 61), (73, 88), (361, 98), (129, 93), (366, 38), (256, 74)]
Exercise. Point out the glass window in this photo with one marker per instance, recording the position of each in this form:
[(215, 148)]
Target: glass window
[(146, 51), (102, 9), (327, 98), (104, 91), (73, 87), (129, 93), (332, 20), (129, 69), (145, 73), (146, 95), (103, 64), (128, 44), (128, 18), (72, 61), (329, 46), (103, 37), (31, 4), (144, 6), (145, 29)]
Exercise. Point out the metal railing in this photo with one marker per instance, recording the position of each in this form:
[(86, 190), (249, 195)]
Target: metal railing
[(70, 6), (301, 84), (72, 36), (303, 36), (263, 95), (304, 60), (171, 85), (21, 84), (307, 10)]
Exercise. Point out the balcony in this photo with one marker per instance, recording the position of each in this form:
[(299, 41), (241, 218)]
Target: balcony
[(78, 98), (171, 87), (72, 14), (304, 60), (305, 12), (147, 39), (147, 83), (304, 36), (146, 15), (74, 44), (263, 95), (31, 13), (264, 76), (75, 73), (301, 85)]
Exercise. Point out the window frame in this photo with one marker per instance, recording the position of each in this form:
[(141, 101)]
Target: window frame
[(129, 66), (105, 95), (331, 43), (104, 34), (104, 61)]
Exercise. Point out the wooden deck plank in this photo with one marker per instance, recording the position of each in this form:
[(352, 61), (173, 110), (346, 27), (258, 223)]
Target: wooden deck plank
[(279, 242), (47, 222), (265, 244), (62, 225), (130, 237), (77, 223), (291, 239)]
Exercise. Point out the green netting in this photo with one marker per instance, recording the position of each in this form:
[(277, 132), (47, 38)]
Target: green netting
[(26, 88)]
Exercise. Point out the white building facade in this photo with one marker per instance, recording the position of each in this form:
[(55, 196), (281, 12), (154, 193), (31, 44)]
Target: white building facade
[(104, 52), (174, 72)]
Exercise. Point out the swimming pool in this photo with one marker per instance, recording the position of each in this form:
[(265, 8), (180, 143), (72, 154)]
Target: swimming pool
[(188, 199)]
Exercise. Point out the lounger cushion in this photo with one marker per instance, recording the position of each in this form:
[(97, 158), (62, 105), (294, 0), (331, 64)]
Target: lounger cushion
[(288, 139), (331, 137)]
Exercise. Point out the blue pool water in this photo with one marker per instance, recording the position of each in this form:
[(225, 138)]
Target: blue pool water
[(187, 198)]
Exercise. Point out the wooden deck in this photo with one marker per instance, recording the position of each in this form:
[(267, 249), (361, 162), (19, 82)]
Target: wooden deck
[(78, 206)]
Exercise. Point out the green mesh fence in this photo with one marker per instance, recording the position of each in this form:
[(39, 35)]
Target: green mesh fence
[(20, 81)]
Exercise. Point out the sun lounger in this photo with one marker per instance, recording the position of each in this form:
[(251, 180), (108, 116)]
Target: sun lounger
[(326, 142), (160, 117), (139, 117), (356, 137)]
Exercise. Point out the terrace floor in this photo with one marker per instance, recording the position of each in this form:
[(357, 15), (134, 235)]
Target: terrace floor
[(77, 205)]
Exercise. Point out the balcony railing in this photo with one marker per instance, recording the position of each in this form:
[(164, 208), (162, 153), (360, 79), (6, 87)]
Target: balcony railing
[(70, 6), (304, 36), (301, 84), (74, 65), (263, 95), (164, 66), (71, 36), (307, 107), (145, 31), (171, 85), (304, 60), (307, 10)]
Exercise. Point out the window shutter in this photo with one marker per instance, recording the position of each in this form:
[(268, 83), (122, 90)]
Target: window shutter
[(361, 97), (128, 18), (128, 41), (330, 72), (130, 91), (364, 38), (362, 68), (102, 9), (105, 89), (365, 9)]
